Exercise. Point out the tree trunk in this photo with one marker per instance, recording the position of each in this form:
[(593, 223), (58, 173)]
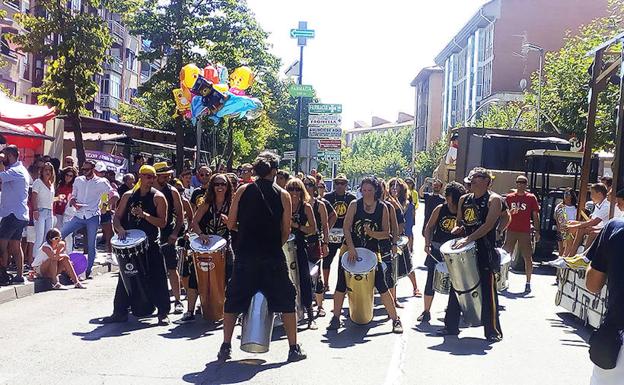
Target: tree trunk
[(77, 124), (179, 144), (230, 144)]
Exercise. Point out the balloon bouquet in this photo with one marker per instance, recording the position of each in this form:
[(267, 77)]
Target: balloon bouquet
[(208, 92)]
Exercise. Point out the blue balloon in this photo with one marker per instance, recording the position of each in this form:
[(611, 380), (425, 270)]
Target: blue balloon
[(197, 108)]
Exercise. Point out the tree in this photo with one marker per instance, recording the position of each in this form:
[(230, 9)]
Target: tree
[(425, 162), (74, 45), (516, 115)]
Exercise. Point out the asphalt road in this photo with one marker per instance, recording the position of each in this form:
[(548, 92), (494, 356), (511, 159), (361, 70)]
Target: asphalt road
[(55, 338)]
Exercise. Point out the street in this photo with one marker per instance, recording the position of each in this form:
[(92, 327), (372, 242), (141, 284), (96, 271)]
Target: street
[(55, 338)]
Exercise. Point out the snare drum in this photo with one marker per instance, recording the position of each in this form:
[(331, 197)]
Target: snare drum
[(131, 254), (441, 279), (209, 262), (290, 252), (336, 235), (360, 279)]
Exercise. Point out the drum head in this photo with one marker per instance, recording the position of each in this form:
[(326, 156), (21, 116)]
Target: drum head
[(336, 231), (366, 261), (403, 240), (215, 243), (133, 237), (441, 267), (447, 247), (505, 256)]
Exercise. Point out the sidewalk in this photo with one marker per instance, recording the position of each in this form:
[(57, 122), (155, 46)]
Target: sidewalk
[(13, 292)]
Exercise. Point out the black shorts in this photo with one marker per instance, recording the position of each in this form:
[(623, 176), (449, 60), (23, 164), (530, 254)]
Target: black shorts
[(106, 217), (11, 228), (380, 281), (270, 277), (333, 249), (171, 256), (188, 270)]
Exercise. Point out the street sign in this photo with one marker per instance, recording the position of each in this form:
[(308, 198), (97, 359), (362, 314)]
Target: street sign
[(301, 91), (330, 155), (320, 108), (289, 155), (330, 144), (293, 70), (325, 120), (297, 33), (324, 132)]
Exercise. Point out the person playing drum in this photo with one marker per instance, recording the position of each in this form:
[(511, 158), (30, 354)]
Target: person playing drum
[(437, 231), (477, 219), (366, 222), (303, 225), (143, 208), (339, 200), (325, 217), (210, 219), (261, 212)]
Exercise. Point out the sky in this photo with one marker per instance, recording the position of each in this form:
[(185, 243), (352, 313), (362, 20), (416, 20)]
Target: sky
[(365, 53)]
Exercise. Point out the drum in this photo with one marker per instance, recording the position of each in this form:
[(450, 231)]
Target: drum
[(290, 251), (403, 241), (441, 279), (209, 262), (360, 279), (502, 277), (336, 235), (131, 254), (257, 326), (464, 275)]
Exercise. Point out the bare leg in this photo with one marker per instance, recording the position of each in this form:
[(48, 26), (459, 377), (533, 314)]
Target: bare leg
[(107, 234), (578, 239), (66, 266), (28, 256), (412, 277), (4, 253), (528, 267), (49, 269), (290, 326), (338, 301), (410, 243), (326, 276), (319, 300), (388, 302), (229, 320), (15, 248), (191, 300), (428, 302), (174, 279)]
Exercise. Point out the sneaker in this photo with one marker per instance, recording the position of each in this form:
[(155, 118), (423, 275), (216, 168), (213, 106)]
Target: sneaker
[(397, 327), (296, 354), (178, 308), (446, 332), (321, 312), (163, 320), (186, 318), (425, 316), (115, 318), (225, 352), (17, 279), (495, 338), (334, 324), (527, 288)]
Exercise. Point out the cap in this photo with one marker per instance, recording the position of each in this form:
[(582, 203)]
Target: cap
[(522, 178), (162, 168), (100, 167), (478, 171), (342, 177)]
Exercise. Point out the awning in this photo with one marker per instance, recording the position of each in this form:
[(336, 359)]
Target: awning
[(21, 131), (94, 137), (166, 146), (19, 113)]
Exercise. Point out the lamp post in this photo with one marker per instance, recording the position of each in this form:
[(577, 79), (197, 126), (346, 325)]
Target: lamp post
[(526, 47)]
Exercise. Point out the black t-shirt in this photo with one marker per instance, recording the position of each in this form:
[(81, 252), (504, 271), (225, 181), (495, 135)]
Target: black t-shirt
[(121, 190), (431, 202), (606, 256), (197, 198), (361, 219), (340, 204)]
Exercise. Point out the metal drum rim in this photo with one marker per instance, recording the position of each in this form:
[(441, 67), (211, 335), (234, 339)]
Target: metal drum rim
[(137, 235), (447, 247), (361, 251)]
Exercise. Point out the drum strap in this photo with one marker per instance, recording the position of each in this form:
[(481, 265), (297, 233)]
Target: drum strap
[(264, 200), (459, 292)]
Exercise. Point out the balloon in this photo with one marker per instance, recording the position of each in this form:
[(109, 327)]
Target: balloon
[(202, 86), (223, 74), (241, 79), (182, 102), (197, 108), (79, 261), (223, 88), (211, 74), (240, 107), (188, 75)]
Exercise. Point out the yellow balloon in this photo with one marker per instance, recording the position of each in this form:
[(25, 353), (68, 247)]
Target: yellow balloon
[(188, 75), (242, 78), (183, 103), (222, 88)]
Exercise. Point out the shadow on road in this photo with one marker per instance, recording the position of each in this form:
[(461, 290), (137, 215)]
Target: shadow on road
[(516, 295), (353, 334), (112, 330), (468, 346), (230, 372), (191, 331), (571, 325)]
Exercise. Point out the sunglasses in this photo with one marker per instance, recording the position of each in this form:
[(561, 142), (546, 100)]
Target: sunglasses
[(293, 189), (220, 184), (202, 174), (520, 182), (56, 238), (310, 185)]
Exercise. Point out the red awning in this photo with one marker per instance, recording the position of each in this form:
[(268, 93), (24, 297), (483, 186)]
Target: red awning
[(20, 114), (8, 129)]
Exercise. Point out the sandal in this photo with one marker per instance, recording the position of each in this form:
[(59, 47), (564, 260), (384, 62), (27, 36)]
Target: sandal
[(57, 286), (79, 286), (417, 293)]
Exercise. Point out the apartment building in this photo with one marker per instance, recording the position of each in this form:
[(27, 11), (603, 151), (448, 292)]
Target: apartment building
[(485, 60), (119, 80), (428, 86), (378, 125)]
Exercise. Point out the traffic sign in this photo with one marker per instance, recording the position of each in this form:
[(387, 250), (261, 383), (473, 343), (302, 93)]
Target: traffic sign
[(297, 33), (330, 144), (325, 120), (324, 132), (320, 108), (330, 155), (301, 91), (289, 155)]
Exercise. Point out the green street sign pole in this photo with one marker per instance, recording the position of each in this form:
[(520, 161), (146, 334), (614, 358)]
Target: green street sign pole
[(301, 41)]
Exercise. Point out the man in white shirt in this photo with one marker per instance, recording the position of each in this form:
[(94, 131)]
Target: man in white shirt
[(85, 198), (590, 228)]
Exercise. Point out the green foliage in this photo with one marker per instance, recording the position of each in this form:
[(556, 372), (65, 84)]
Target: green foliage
[(384, 154), (514, 115), (426, 161)]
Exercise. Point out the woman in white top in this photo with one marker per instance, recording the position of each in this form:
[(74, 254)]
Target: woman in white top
[(52, 260), (42, 199), (564, 213)]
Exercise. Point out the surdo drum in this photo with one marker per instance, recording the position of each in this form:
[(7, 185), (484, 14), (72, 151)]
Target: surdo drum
[(209, 261), (336, 235), (360, 279)]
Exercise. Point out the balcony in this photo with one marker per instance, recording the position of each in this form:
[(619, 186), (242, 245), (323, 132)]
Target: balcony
[(113, 65), (116, 28), (109, 102)]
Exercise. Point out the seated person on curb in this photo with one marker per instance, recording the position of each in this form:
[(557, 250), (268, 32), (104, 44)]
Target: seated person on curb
[(52, 260), (598, 218)]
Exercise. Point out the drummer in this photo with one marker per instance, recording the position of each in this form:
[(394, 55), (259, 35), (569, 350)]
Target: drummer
[(210, 219), (388, 246), (366, 222), (261, 212), (325, 217), (197, 197), (339, 200), (478, 214), (173, 229), (143, 208), (437, 231)]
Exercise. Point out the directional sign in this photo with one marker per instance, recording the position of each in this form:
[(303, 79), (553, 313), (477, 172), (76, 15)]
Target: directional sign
[(325, 120), (289, 155), (330, 144), (301, 91), (297, 33), (330, 155), (324, 132), (319, 108)]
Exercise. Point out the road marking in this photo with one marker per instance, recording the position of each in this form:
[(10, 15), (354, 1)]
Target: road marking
[(395, 367)]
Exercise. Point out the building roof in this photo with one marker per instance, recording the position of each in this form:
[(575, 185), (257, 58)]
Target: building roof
[(424, 74), (99, 126), (484, 16), (384, 126)]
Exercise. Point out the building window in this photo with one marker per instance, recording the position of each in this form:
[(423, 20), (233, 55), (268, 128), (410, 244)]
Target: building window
[(131, 62), (13, 4), (25, 66), (111, 85), (25, 6)]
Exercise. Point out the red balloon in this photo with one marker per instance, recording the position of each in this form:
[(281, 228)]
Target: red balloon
[(211, 74)]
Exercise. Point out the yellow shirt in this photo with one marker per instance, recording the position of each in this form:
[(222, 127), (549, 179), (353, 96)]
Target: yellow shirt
[(415, 198)]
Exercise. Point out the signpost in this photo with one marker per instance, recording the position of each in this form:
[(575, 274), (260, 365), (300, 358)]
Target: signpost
[(330, 144), (289, 155), (325, 119), (327, 131), (301, 91), (330, 155), (319, 108), (302, 34), (305, 33)]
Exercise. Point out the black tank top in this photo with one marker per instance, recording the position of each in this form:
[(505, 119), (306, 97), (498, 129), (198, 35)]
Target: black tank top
[(474, 212), (340, 204), (166, 231), (300, 217), (145, 202), (385, 245), (362, 218), (444, 225), (212, 224), (260, 222)]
